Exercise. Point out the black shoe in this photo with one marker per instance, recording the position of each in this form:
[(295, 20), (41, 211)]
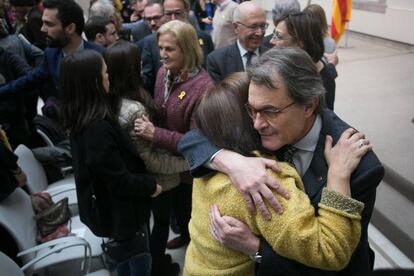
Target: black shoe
[(167, 259)]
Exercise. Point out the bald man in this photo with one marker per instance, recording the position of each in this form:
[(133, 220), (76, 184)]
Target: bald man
[(249, 22)]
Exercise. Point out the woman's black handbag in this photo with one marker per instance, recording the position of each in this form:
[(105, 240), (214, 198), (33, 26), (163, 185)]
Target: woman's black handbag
[(117, 252)]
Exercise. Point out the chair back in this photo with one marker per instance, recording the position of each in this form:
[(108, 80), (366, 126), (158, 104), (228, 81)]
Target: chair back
[(17, 217), (36, 176), (8, 266)]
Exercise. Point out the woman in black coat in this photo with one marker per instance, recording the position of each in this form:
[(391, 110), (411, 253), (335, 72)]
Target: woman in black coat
[(111, 182)]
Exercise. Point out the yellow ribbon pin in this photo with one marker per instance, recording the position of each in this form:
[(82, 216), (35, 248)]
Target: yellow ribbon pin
[(201, 42), (182, 95)]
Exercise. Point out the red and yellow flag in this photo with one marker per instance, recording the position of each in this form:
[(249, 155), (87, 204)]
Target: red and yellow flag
[(340, 15)]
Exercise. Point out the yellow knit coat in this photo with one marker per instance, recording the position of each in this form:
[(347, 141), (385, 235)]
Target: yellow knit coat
[(326, 241)]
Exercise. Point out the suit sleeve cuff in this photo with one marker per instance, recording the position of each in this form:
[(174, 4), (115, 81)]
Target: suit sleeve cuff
[(332, 199)]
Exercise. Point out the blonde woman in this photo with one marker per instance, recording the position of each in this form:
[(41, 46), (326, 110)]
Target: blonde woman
[(180, 83)]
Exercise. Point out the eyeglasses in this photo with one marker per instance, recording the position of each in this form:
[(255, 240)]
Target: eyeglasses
[(278, 37), (176, 13), (269, 113), (253, 28), (154, 18)]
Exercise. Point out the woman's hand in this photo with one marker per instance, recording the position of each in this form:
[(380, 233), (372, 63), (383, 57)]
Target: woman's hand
[(158, 190), (20, 177), (206, 20), (144, 128), (332, 57), (344, 157), (232, 233)]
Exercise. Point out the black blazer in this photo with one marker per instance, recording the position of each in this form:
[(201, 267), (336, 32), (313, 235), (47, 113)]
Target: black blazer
[(112, 187), (8, 163), (364, 181), (224, 61), (150, 56)]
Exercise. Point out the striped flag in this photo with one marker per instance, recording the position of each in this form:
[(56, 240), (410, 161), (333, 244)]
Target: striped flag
[(340, 15)]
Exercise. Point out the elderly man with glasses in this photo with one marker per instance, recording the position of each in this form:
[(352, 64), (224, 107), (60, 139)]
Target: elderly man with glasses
[(249, 22), (286, 105)]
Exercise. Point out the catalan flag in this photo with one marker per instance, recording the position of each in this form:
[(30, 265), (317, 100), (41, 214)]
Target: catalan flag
[(340, 15)]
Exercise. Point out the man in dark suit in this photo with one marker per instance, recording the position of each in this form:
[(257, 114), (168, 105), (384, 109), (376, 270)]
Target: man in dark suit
[(63, 24), (286, 104), (150, 55), (249, 21), (101, 31)]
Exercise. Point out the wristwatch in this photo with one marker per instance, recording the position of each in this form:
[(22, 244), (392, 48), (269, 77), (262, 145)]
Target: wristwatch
[(257, 258)]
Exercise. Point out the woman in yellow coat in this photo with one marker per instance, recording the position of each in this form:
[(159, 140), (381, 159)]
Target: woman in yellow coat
[(325, 241)]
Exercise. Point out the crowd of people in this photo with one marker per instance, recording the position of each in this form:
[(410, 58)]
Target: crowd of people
[(188, 112)]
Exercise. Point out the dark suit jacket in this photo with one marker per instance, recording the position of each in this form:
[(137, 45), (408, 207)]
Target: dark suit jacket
[(266, 41), (140, 31), (8, 163), (150, 56), (48, 69), (364, 180), (224, 61)]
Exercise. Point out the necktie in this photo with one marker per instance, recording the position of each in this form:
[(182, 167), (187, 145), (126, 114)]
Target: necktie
[(249, 56), (286, 154)]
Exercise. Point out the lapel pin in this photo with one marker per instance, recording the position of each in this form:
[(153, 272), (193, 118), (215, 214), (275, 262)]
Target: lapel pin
[(182, 95)]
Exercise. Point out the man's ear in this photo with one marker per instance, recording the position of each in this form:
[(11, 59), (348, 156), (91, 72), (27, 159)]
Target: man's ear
[(71, 28), (236, 27), (99, 38), (310, 110)]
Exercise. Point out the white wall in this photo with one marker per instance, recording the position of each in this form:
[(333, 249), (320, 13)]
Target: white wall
[(396, 23)]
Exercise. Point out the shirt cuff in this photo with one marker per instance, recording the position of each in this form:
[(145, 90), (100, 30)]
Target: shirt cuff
[(209, 163)]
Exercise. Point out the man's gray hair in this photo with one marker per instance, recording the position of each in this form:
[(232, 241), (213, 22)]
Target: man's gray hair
[(298, 73), (283, 7), (103, 8)]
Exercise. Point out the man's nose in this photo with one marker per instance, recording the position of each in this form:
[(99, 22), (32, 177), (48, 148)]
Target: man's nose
[(259, 122)]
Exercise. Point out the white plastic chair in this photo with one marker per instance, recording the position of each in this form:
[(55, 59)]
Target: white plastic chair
[(9, 267), (37, 180), (17, 217)]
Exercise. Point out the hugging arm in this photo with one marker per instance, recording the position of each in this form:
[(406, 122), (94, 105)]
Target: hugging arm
[(248, 174), (343, 158)]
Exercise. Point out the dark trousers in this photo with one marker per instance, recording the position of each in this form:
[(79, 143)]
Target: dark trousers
[(182, 207), (161, 209)]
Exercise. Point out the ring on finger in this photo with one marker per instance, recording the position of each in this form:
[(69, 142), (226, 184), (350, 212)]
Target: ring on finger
[(361, 143)]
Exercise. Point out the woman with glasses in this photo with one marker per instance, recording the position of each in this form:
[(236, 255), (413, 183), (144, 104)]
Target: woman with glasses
[(304, 31), (325, 240), (180, 83)]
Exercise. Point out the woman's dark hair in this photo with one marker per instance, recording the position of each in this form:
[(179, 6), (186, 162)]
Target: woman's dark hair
[(320, 15), (84, 98), (124, 70), (306, 31), (221, 117)]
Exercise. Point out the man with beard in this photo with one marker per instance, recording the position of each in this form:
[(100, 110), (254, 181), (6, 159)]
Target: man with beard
[(249, 21), (63, 24)]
